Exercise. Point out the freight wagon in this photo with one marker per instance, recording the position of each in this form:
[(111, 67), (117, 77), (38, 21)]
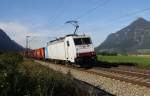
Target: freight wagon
[(36, 53), (40, 53)]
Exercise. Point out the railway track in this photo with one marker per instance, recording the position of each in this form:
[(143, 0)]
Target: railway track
[(133, 69), (120, 83), (129, 72), (135, 77), (126, 76)]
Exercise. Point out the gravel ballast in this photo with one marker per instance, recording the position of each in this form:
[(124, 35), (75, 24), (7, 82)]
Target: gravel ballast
[(116, 87)]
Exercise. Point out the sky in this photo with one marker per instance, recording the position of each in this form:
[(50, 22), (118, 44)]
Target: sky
[(44, 20)]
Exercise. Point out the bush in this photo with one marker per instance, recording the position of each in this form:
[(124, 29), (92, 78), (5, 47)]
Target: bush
[(47, 81), (8, 73), (18, 78)]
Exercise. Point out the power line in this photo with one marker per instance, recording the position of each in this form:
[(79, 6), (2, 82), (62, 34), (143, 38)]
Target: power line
[(30, 40), (81, 16), (132, 13), (54, 17), (124, 16), (93, 9), (75, 24)]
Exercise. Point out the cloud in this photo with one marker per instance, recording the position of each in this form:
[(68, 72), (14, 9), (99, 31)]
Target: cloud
[(39, 36), (18, 32), (15, 30)]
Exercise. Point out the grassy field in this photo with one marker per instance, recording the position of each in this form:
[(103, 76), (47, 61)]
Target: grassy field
[(20, 77), (139, 61)]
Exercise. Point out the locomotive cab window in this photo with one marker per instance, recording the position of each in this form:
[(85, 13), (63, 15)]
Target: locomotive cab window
[(81, 41), (77, 41), (68, 43), (86, 40)]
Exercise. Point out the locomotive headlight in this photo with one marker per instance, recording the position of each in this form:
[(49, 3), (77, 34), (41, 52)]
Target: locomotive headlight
[(93, 53)]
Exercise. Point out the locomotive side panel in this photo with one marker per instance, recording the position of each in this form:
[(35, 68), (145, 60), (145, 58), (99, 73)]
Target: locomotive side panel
[(70, 49), (56, 51), (46, 52)]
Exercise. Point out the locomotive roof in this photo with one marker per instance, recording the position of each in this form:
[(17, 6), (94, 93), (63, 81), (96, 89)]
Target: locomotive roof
[(70, 35)]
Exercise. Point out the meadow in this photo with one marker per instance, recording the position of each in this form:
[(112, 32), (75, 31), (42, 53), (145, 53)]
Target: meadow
[(19, 77), (139, 61)]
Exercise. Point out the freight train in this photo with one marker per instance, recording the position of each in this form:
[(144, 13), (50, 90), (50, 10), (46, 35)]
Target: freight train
[(72, 49)]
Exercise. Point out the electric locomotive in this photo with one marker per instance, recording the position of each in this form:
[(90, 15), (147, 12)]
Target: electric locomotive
[(74, 49)]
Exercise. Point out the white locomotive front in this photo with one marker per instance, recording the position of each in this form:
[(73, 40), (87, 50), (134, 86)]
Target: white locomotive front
[(76, 49)]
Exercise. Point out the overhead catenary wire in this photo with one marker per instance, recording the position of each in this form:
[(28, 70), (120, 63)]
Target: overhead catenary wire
[(130, 14), (124, 16), (111, 20), (84, 14), (93, 9), (58, 12), (88, 12), (75, 24), (36, 38)]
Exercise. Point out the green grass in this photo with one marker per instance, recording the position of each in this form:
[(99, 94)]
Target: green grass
[(20, 77), (139, 61)]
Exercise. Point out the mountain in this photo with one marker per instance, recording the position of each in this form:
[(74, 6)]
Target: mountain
[(133, 38), (6, 44)]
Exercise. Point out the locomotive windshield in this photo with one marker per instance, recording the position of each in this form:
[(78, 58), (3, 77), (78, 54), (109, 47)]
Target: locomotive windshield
[(81, 41)]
